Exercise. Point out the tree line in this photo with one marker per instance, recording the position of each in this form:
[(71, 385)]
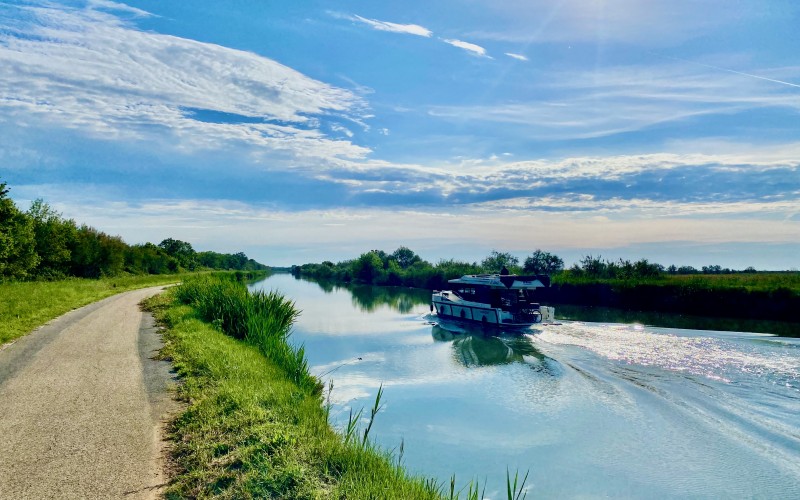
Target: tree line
[(404, 267), (41, 244)]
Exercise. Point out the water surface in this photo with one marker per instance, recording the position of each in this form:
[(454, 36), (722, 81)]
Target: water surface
[(590, 409)]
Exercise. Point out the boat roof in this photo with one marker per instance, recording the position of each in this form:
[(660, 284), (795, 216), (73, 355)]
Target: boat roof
[(504, 281)]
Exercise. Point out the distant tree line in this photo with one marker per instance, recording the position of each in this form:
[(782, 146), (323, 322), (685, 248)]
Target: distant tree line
[(41, 244), (404, 267), (596, 267)]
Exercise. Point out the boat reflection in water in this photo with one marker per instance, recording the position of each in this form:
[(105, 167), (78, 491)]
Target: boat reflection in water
[(473, 347)]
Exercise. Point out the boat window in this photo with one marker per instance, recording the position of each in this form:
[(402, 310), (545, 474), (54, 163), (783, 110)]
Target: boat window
[(466, 291)]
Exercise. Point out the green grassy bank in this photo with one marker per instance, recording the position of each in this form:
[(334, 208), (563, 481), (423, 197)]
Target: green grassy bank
[(24, 305), (766, 296), (255, 425)]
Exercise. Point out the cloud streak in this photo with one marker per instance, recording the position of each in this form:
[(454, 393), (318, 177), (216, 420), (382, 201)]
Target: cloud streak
[(415, 29), (408, 29), (518, 57), (473, 49)]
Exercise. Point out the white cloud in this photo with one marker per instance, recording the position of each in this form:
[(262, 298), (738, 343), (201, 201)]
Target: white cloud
[(89, 70), (519, 57), (476, 50), (408, 29)]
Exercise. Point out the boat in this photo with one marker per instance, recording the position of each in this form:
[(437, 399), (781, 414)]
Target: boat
[(501, 300)]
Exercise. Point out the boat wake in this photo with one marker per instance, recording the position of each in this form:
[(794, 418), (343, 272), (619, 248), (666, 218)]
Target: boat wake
[(711, 357)]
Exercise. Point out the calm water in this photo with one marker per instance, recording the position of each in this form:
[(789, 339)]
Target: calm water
[(592, 410)]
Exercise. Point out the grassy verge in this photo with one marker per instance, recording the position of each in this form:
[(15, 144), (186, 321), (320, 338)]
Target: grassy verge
[(26, 305), (255, 425)]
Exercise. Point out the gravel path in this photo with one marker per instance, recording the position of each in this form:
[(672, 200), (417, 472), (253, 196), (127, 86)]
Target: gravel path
[(82, 405)]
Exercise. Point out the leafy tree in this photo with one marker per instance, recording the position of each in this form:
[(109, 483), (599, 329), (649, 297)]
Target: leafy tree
[(148, 258), (18, 257), (543, 263), (497, 260), (405, 257), (54, 238), (368, 268), (181, 251), (593, 266)]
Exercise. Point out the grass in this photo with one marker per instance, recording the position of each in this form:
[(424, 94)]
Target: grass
[(26, 305), (752, 282), (255, 425)]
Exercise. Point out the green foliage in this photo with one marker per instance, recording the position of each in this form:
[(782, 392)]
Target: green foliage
[(541, 262), (55, 239), (379, 268), (238, 261), (368, 268), (262, 319), (405, 257), (181, 251), (496, 261), (596, 268), (18, 257), (41, 244)]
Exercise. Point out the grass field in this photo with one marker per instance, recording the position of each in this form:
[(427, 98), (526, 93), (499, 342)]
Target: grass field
[(26, 305)]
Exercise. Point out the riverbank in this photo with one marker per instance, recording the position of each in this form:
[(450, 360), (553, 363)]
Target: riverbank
[(763, 295), (767, 296), (255, 423)]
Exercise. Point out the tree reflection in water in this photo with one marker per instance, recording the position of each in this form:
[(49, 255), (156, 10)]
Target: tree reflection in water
[(473, 347), (368, 298)]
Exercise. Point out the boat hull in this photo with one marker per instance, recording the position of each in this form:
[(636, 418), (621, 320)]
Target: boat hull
[(482, 315)]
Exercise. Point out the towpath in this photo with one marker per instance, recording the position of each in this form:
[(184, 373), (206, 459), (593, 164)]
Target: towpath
[(82, 405)]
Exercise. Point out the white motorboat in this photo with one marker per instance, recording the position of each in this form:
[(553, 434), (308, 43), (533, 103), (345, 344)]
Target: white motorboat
[(493, 300)]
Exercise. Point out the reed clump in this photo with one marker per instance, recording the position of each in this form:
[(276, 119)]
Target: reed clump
[(263, 319)]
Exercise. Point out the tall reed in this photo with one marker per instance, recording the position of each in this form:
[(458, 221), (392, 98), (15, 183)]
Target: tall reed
[(263, 319)]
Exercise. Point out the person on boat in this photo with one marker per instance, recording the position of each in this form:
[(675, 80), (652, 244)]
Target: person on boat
[(504, 271)]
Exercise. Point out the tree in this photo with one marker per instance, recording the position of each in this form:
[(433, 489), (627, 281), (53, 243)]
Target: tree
[(498, 260), (543, 263), (54, 237), (405, 257), (18, 256), (368, 267), (181, 251), (594, 266)]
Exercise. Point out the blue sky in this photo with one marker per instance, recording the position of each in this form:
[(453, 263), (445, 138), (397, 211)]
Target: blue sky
[(304, 131)]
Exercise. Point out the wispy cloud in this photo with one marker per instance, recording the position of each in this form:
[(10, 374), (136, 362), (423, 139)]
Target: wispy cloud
[(89, 70), (408, 29), (476, 50), (415, 29), (519, 57), (612, 100)]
